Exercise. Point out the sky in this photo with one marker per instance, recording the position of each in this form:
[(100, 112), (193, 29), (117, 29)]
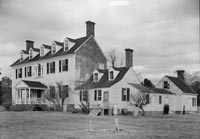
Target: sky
[(163, 34)]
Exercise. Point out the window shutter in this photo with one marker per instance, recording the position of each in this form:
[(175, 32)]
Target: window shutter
[(122, 94), (53, 67), (95, 94), (21, 72), (80, 96), (59, 65), (47, 68), (66, 62), (25, 72), (16, 73), (128, 94), (30, 71)]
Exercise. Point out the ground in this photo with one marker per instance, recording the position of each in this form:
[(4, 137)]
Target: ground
[(58, 125)]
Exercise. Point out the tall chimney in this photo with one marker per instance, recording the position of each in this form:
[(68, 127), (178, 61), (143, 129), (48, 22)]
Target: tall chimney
[(29, 44), (129, 57), (90, 28), (180, 74)]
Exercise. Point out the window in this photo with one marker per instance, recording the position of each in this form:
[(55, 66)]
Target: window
[(42, 51), (52, 92), (63, 65), (18, 73), (21, 56), (63, 91), (30, 53), (51, 67), (147, 99), (125, 94), (83, 96), (53, 48), (40, 70), (28, 71), (66, 45), (97, 95), (160, 99), (166, 85), (194, 102), (96, 77), (111, 73)]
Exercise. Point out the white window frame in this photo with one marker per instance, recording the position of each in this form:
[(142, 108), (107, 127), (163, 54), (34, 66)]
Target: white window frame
[(95, 77), (66, 45), (53, 48), (21, 56), (111, 76), (31, 53), (42, 51)]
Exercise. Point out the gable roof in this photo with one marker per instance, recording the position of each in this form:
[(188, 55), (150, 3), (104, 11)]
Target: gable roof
[(36, 49), (47, 46), (181, 85), (34, 84), (25, 52), (151, 90), (78, 42), (104, 82), (59, 43)]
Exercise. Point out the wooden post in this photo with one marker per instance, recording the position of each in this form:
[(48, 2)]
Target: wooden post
[(91, 129), (117, 125), (29, 94)]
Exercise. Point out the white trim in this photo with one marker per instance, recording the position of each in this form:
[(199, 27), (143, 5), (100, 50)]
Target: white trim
[(30, 50)]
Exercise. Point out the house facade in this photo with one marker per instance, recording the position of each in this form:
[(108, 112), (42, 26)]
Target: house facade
[(110, 88), (68, 63), (185, 98), (115, 87)]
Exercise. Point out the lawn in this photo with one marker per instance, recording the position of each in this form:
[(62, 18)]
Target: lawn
[(57, 125)]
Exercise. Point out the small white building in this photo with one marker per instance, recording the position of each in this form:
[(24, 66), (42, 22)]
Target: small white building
[(185, 97)]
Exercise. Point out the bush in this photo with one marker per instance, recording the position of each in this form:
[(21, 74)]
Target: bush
[(7, 106)]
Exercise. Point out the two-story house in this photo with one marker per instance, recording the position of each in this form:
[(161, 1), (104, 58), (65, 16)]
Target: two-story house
[(69, 63)]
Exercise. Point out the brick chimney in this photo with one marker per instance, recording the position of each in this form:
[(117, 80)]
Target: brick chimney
[(29, 44), (90, 28), (180, 74), (129, 57)]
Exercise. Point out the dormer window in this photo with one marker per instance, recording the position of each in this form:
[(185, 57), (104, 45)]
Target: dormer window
[(21, 56), (166, 85), (111, 75), (53, 48), (42, 51), (66, 45), (96, 77), (31, 53)]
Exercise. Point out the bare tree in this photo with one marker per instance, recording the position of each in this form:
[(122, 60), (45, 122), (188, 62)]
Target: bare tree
[(140, 99), (112, 57), (193, 80), (62, 92)]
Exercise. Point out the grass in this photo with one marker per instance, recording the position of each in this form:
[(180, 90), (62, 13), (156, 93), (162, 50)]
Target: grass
[(57, 125)]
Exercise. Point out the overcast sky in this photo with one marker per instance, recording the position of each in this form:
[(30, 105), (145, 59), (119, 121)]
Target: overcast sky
[(163, 33)]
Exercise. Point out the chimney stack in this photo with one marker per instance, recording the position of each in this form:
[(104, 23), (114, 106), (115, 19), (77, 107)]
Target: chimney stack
[(180, 74), (129, 57), (90, 28), (29, 44)]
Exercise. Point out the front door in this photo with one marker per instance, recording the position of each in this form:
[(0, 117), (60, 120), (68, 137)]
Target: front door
[(106, 96)]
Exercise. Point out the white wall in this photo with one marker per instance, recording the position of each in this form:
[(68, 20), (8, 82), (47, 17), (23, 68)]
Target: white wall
[(66, 77)]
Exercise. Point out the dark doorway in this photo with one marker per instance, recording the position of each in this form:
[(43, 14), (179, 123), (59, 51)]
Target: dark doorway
[(39, 93), (106, 111), (166, 109)]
